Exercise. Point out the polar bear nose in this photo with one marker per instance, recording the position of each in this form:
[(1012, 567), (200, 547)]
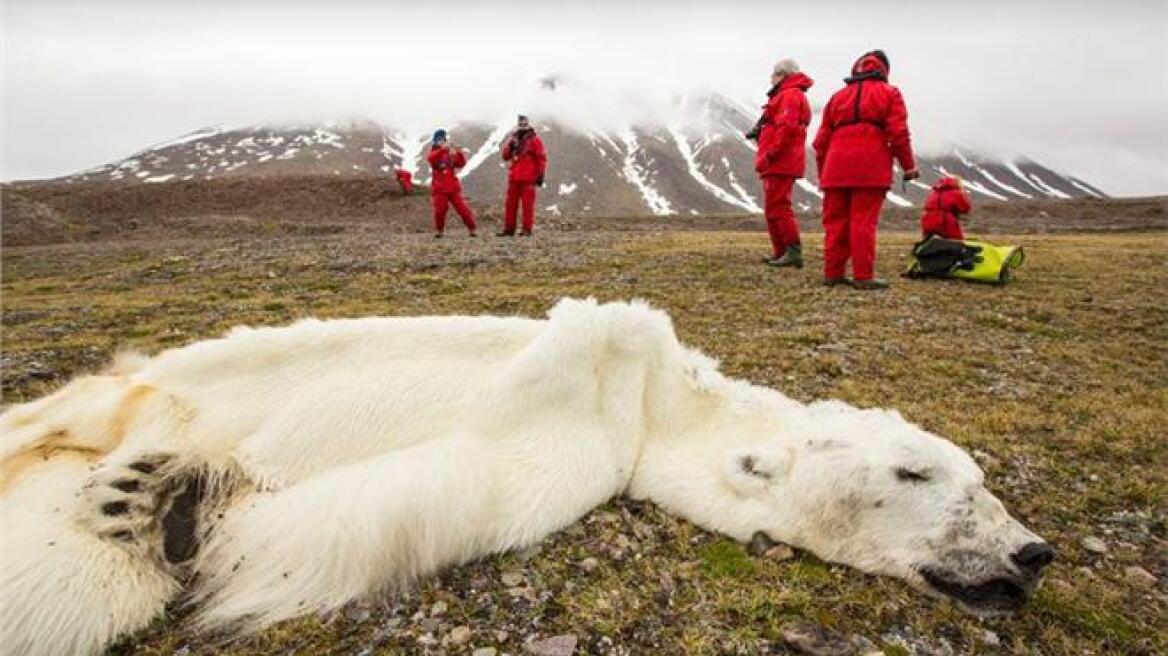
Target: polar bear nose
[(1033, 557)]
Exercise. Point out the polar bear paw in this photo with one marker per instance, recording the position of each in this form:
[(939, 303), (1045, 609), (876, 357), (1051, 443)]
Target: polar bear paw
[(135, 504)]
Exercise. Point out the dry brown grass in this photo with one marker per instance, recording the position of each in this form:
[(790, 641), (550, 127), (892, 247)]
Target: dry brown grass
[(1058, 381)]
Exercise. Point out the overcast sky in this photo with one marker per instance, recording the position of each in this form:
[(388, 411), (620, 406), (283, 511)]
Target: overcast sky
[(1080, 86)]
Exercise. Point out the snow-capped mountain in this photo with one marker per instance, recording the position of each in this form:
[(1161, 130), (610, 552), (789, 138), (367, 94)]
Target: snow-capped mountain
[(697, 163)]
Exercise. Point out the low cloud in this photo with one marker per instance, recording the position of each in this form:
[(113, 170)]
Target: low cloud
[(1079, 86)]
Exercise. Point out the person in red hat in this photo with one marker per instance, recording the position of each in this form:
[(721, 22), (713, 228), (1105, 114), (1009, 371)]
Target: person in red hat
[(527, 160), (943, 209), (864, 128), (781, 158), (445, 189)]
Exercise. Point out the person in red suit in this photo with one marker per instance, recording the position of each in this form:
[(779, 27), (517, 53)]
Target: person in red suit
[(864, 128), (405, 180), (943, 209), (781, 158), (527, 160), (445, 189)]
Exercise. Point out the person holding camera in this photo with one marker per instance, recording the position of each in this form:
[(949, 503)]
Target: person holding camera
[(527, 160), (445, 189), (781, 133), (864, 128)]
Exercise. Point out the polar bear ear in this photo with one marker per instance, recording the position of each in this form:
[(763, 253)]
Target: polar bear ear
[(749, 472)]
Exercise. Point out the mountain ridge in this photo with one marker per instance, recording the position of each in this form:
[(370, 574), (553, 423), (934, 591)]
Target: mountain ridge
[(697, 163)]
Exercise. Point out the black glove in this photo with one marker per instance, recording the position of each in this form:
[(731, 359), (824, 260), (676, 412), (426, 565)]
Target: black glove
[(539, 180)]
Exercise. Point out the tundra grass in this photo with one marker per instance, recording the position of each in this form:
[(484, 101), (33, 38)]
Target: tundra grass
[(1057, 383)]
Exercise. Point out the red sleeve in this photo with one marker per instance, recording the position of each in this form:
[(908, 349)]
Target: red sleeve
[(459, 159), (540, 154), (506, 150), (898, 137), (823, 137), (432, 156)]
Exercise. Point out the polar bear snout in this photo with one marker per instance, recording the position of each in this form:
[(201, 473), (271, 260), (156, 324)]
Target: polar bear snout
[(1033, 558), (986, 587)]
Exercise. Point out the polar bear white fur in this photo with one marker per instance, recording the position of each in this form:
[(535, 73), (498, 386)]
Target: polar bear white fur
[(334, 459)]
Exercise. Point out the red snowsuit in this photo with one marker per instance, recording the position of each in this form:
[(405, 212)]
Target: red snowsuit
[(865, 126), (781, 158), (445, 187), (943, 207), (527, 159), (405, 179)]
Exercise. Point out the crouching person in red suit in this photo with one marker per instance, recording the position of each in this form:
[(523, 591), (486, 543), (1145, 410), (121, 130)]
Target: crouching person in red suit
[(527, 160), (445, 188), (943, 209), (405, 180), (781, 158), (864, 127)]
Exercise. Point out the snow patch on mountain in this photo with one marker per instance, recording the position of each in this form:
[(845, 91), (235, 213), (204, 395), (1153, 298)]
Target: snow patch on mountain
[(809, 188), (897, 200), (638, 177), (689, 156), (1049, 190), (489, 148)]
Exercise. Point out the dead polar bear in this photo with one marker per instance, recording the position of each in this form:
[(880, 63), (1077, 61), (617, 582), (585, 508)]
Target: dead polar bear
[(320, 462)]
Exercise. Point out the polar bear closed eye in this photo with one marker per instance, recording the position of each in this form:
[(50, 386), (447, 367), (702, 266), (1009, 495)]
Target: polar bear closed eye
[(292, 470)]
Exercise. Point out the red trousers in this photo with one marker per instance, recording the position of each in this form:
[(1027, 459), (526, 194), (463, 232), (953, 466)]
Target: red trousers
[(780, 218), (849, 221), (517, 192), (441, 200), (946, 226)]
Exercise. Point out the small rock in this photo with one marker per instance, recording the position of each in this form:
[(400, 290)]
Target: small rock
[(1140, 576), (589, 564), (817, 640), (561, 645), (439, 608), (501, 636), (990, 638), (459, 636), (512, 579), (431, 624), (485, 651), (780, 552), (1094, 545)]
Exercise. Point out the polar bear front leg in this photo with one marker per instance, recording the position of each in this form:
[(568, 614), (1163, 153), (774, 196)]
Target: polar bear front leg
[(63, 588), (372, 525)]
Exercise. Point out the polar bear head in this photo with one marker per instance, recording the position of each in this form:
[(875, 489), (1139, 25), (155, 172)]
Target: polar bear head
[(868, 489)]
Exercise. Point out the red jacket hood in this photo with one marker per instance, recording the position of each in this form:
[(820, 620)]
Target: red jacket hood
[(797, 80), (869, 66)]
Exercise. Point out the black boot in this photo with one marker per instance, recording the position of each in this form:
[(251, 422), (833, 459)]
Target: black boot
[(792, 257), (872, 284)]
